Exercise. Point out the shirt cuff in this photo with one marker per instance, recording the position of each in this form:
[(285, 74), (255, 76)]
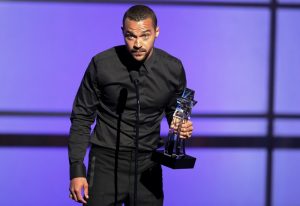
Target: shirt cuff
[(77, 170)]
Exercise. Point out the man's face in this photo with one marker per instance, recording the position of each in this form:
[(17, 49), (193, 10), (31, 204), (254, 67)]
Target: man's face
[(139, 37)]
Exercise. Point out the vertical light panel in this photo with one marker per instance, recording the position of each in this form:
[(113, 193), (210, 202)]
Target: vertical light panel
[(287, 95), (286, 179), (46, 47), (221, 177), (225, 54)]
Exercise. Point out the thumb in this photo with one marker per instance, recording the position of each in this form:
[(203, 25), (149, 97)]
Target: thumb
[(86, 190)]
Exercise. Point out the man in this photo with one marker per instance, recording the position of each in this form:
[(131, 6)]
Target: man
[(161, 79)]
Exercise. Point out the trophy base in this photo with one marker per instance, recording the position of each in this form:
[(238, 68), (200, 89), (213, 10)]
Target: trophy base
[(183, 162)]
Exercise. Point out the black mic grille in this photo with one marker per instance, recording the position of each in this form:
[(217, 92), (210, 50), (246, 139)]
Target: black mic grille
[(134, 75)]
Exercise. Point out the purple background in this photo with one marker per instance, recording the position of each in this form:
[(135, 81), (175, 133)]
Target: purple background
[(45, 48)]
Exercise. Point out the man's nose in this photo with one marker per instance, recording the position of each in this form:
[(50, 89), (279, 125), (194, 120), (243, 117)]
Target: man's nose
[(137, 43)]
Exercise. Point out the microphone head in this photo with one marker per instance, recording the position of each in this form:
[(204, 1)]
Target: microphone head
[(134, 76)]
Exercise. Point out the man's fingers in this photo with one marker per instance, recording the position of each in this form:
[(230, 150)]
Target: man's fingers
[(79, 196), (86, 191), (77, 186), (175, 122), (73, 195), (186, 127), (185, 135), (187, 124)]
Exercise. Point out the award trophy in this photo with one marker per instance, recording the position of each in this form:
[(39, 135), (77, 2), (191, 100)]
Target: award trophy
[(174, 155)]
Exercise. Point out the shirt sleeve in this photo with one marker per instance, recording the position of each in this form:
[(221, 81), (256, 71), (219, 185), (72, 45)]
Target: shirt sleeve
[(181, 84), (82, 117)]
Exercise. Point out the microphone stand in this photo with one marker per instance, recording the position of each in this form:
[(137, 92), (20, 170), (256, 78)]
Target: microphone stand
[(120, 109), (137, 126)]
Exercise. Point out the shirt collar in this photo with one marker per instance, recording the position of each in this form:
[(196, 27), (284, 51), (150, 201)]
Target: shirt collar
[(130, 62)]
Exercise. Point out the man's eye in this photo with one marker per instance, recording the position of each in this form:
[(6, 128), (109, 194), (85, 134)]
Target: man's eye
[(130, 37), (146, 36)]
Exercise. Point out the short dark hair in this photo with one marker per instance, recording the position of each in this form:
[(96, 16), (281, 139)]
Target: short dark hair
[(140, 12)]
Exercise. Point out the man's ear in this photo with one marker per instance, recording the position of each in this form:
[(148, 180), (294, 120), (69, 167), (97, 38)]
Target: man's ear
[(156, 32)]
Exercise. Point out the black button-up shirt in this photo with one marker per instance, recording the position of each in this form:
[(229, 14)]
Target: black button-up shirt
[(161, 80)]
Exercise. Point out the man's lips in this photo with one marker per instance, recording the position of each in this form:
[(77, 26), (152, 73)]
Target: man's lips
[(138, 51)]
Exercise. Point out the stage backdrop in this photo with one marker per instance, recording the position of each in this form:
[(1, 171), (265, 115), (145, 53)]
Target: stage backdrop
[(45, 48)]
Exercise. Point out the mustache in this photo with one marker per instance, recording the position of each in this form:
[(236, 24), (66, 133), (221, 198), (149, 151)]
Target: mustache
[(138, 50)]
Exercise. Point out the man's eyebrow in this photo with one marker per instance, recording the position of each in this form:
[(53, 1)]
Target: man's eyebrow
[(129, 32), (134, 35), (146, 31)]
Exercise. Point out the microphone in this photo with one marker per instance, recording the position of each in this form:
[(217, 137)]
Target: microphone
[(134, 76)]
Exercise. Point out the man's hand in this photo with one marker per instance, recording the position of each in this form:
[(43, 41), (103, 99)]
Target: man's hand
[(186, 127), (78, 184)]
